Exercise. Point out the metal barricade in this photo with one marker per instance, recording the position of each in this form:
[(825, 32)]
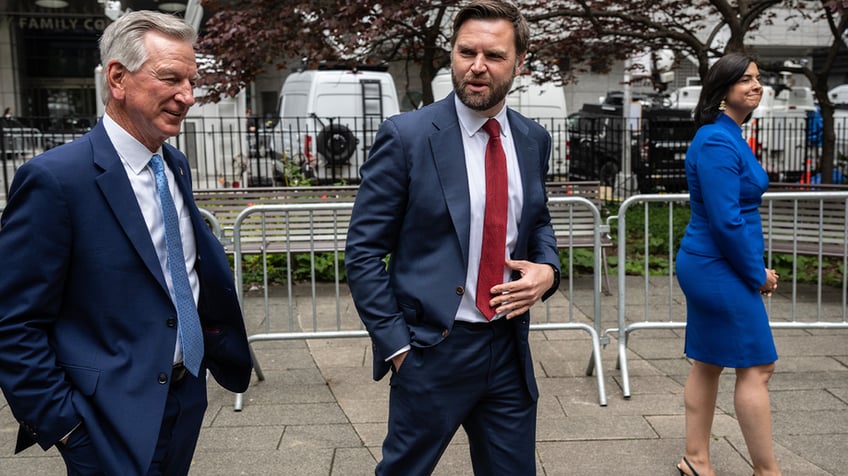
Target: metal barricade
[(214, 224), (264, 228), (795, 223)]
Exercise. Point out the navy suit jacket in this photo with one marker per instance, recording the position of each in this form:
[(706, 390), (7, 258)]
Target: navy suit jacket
[(413, 204), (87, 327)]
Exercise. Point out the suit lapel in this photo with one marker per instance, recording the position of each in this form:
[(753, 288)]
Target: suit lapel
[(526, 151), (182, 178), (118, 192), (447, 152)]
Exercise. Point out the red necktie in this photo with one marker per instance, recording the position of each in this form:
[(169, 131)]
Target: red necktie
[(493, 252)]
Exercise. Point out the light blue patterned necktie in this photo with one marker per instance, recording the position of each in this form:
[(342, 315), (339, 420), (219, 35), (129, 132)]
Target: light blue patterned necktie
[(191, 335)]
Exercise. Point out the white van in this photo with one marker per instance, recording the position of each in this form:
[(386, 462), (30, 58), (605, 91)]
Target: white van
[(839, 94), (328, 119), (215, 148), (685, 97), (794, 101), (778, 133), (544, 103)]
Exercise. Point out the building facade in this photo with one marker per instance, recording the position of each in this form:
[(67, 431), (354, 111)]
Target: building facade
[(48, 55)]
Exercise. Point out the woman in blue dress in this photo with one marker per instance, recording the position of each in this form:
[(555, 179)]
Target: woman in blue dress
[(721, 271)]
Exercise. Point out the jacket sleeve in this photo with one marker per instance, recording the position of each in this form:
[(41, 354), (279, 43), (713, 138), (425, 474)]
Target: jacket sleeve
[(35, 246), (374, 228), (543, 245), (719, 172)]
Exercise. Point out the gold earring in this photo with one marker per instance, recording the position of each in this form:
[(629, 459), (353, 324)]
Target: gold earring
[(722, 105)]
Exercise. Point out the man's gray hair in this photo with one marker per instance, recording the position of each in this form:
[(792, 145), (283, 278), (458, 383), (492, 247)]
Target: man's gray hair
[(123, 40)]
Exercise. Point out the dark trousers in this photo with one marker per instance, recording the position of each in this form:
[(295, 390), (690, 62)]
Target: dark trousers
[(181, 422), (471, 379)]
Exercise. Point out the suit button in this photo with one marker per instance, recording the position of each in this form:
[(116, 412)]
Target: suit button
[(163, 378), (445, 332), (172, 322), (460, 290)]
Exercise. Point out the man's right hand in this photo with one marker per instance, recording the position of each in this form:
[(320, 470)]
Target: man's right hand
[(397, 360)]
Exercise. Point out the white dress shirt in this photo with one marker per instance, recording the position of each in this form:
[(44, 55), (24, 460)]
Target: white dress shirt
[(135, 157), (474, 141)]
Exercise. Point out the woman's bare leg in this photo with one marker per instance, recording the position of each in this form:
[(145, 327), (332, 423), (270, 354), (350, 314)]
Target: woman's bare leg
[(700, 395), (751, 401)]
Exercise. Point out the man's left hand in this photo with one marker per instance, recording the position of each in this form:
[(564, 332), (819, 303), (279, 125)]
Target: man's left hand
[(517, 297)]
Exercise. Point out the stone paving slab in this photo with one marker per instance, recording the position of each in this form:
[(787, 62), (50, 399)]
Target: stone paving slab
[(318, 411)]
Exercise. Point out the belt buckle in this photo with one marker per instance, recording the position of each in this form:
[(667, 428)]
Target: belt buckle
[(178, 372)]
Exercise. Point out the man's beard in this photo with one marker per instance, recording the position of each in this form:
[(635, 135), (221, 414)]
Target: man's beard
[(481, 102)]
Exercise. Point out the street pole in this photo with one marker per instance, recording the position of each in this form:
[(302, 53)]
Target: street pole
[(624, 179)]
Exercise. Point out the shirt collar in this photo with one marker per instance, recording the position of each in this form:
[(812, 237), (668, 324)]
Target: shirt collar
[(129, 149), (471, 121)]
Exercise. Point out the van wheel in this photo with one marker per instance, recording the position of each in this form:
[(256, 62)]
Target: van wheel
[(608, 173), (336, 143)]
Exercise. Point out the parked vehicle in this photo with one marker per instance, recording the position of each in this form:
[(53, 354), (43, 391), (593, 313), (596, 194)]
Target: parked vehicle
[(264, 166), (217, 141), (67, 129), (658, 142), (544, 103), (597, 138), (839, 94), (783, 133), (329, 117), (779, 136), (794, 99), (666, 134), (685, 97), (19, 142), (616, 98)]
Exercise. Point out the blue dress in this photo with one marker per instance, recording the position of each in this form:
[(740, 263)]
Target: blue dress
[(720, 264)]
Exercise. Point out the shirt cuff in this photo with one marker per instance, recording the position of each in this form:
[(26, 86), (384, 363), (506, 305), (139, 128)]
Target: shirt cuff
[(65, 438), (403, 349)]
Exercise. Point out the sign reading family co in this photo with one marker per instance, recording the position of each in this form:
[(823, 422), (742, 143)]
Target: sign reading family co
[(91, 24)]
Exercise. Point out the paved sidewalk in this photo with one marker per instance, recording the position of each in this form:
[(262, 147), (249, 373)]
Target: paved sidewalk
[(318, 412)]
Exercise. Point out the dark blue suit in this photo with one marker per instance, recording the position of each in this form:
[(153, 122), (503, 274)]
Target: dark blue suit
[(413, 206), (87, 327)]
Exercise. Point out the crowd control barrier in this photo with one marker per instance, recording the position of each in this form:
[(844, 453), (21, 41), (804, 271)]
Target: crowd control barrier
[(802, 223), (265, 230)]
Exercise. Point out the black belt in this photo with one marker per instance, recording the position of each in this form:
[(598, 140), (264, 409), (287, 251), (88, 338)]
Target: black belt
[(481, 326), (178, 372)]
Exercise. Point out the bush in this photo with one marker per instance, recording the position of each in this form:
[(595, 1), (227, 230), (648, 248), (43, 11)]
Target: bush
[(302, 265), (659, 262), (659, 240)]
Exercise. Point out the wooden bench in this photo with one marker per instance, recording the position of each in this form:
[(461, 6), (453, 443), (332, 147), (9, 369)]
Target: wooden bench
[(306, 227), (805, 226), (311, 229), (574, 224)]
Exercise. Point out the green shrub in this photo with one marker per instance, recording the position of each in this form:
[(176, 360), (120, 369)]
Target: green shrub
[(658, 241), (582, 260), (302, 264)]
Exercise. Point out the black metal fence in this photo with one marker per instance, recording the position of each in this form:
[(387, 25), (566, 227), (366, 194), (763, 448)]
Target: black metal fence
[(788, 145), (628, 156)]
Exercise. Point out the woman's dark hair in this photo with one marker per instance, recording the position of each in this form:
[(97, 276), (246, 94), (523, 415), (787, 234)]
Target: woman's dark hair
[(721, 76)]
